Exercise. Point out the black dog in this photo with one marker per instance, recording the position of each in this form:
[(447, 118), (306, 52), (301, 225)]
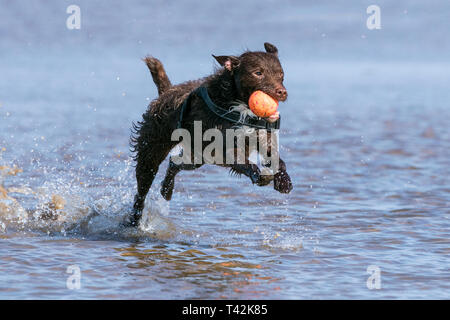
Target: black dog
[(180, 105)]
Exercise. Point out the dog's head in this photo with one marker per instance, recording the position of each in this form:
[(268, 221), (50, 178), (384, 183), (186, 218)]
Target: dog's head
[(257, 70)]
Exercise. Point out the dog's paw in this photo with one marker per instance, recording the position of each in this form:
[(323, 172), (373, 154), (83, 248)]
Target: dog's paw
[(282, 182), (264, 180), (131, 220)]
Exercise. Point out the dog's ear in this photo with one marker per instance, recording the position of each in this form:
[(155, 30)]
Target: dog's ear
[(270, 48), (229, 62)]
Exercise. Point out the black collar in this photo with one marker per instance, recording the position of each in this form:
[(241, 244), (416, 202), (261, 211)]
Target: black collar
[(232, 116)]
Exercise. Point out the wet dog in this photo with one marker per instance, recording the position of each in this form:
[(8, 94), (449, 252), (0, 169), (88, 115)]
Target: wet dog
[(179, 106)]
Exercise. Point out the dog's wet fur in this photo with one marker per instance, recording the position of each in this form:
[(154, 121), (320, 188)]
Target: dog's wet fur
[(236, 79)]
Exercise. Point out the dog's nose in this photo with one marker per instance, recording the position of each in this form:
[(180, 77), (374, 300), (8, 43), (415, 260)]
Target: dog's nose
[(281, 94)]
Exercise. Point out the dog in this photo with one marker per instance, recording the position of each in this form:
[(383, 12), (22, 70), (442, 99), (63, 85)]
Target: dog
[(178, 106)]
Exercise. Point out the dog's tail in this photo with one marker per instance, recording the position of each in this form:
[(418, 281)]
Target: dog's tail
[(158, 74)]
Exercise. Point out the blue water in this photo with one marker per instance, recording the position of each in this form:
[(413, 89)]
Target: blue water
[(364, 135)]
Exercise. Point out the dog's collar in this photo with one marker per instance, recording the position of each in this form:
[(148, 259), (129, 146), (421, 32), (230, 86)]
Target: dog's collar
[(229, 115)]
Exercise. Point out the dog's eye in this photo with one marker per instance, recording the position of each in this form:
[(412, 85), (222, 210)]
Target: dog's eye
[(258, 73)]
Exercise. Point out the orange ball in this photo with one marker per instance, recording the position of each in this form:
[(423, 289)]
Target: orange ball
[(262, 104)]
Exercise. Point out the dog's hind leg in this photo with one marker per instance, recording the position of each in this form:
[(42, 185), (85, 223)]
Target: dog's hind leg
[(169, 181), (146, 171), (144, 176)]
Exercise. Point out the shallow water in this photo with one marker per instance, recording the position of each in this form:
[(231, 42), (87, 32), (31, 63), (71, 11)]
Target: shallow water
[(364, 135)]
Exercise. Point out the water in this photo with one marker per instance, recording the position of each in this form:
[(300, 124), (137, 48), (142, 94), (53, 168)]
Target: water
[(364, 135)]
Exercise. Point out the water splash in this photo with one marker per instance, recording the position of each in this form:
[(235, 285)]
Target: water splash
[(62, 206)]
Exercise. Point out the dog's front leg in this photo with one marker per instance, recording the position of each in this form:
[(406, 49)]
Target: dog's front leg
[(281, 181), (252, 171)]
